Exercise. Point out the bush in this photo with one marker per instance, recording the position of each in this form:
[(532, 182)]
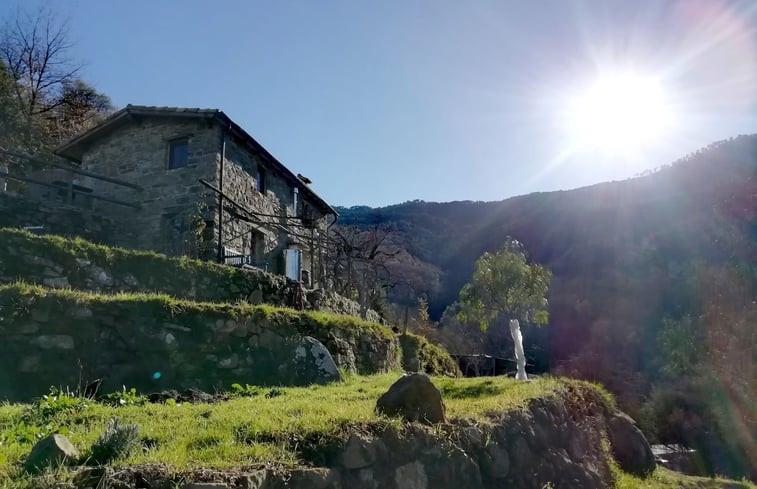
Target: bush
[(58, 404), (418, 354), (124, 398), (697, 413), (118, 440)]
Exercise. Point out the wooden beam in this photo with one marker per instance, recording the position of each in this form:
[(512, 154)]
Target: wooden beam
[(73, 190), (72, 169)]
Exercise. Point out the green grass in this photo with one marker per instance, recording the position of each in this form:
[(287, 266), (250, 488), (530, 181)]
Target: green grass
[(19, 298), (263, 428), (283, 426), (667, 479)]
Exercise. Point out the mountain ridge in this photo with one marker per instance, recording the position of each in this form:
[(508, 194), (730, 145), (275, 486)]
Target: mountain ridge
[(625, 255)]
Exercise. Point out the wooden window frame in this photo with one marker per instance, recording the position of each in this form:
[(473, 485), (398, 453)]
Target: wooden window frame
[(171, 144)]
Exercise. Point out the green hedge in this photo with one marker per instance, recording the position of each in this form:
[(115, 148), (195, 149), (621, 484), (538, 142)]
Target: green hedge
[(421, 355)]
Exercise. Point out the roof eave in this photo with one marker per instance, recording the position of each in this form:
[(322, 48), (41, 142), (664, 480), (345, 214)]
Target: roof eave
[(240, 132)]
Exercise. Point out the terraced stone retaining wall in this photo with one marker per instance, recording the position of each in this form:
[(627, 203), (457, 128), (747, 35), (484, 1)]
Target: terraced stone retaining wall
[(54, 261), (153, 342)]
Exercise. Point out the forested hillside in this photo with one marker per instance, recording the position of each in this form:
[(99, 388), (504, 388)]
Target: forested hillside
[(654, 277)]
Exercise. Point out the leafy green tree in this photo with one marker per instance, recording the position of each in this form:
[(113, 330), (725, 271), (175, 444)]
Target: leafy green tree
[(505, 285)]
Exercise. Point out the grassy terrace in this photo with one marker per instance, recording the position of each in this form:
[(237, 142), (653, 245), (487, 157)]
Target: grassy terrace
[(21, 296), (280, 426), (273, 425)]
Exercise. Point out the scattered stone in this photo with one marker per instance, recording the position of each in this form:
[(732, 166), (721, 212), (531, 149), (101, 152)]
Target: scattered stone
[(29, 364), (28, 328), (90, 478), (305, 478), (177, 327), (360, 451), (415, 398), (205, 485), (495, 462), (630, 447), (130, 281), (367, 481), (52, 450), (60, 341), (411, 476), (80, 312), (678, 458), (232, 361), (189, 395), (252, 480), (56, 282)]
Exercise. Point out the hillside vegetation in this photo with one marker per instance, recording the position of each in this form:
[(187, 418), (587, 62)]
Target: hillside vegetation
[(653, 287)]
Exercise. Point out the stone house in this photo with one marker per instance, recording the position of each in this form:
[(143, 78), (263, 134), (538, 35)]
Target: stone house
[(203, 186)]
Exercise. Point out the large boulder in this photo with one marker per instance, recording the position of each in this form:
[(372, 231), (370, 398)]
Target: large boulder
[(630, 447), (313, 363), (52, 450), (415, 398)]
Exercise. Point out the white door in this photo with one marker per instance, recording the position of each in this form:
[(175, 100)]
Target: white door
[(293, 260)]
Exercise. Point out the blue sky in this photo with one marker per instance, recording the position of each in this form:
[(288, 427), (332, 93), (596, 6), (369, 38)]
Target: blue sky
[(383, 102)]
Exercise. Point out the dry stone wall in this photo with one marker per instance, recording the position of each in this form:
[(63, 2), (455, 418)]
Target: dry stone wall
[(57, 262), (153, 342), (559, 441)]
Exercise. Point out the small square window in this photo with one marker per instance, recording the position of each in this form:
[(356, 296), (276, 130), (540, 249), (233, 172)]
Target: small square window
[(260, 180), (178, 153)]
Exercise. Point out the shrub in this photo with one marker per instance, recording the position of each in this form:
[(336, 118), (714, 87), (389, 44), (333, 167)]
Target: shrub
[(124, 398), (418, 354), (246, 391), (58, 403), (118, 440)]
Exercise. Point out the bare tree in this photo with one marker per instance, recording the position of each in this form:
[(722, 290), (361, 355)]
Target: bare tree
[(358, 262), (373, 266), (35, 51)]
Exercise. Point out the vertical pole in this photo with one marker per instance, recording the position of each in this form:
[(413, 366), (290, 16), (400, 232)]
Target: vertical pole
[(220, 196), (311, 245), (70, 196)]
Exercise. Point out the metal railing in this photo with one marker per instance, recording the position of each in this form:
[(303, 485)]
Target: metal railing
[(245, 260)]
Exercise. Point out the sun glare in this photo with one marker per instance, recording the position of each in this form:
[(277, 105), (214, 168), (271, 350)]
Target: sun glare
[(618, 113)]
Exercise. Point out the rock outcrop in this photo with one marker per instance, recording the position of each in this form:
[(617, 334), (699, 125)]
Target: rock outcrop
[(413, 397), (51, 451), (312, 363), (629, 445)]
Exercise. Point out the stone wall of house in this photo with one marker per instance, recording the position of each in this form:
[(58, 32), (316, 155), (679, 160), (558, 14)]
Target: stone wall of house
[(172, 199), (21, 212), (153, 342), (272, 235), (266, 233), (179, 215)]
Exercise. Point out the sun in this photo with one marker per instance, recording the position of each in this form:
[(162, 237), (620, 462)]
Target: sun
[(619, 113)]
